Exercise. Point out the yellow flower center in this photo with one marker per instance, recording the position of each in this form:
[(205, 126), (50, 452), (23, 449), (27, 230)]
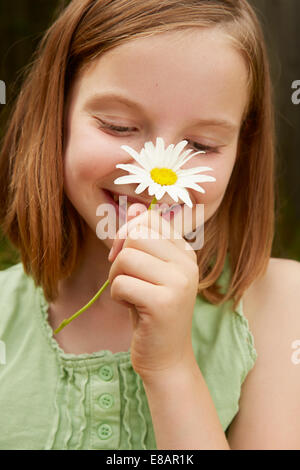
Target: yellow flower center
[(163, 176)]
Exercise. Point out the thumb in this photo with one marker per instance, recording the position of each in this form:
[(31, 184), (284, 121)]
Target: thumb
[(133, 211)]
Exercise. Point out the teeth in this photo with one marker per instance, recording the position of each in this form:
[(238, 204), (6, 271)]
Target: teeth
[(116, 199), (168, 209)]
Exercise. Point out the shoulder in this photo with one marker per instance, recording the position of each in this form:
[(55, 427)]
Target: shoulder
[(280, 273), (11, 278), (272, 306), (277, 293), (16, 290), (269, 403)]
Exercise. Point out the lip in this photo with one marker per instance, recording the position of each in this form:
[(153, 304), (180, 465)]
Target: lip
[(129, 198), (168, 215), (136, 200), (110, 200)]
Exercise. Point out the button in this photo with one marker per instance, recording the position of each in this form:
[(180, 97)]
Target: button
[(106, 373), (106, 400), (104, 431)]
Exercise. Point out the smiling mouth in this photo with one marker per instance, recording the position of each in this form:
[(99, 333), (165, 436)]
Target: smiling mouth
[(130, 200)]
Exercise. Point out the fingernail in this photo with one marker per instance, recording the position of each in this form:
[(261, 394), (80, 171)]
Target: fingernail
[(110, 254)]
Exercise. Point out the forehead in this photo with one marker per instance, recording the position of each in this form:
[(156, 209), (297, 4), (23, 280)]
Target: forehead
[(186, 72)]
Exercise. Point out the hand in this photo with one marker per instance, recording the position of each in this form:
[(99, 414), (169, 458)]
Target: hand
[(157, 278)]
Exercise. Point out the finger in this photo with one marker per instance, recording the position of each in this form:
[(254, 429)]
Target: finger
[(144, 239), (134, 316), (136, 292), (146, 266), (151, 219)]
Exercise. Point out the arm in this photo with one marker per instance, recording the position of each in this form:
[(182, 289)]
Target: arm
[(158, 278), (183, 413), (269, 415)]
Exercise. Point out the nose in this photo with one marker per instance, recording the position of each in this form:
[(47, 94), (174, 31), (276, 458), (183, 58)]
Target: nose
[(168, 138)]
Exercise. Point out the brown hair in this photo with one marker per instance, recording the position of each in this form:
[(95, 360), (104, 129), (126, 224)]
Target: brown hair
[(35, 214)]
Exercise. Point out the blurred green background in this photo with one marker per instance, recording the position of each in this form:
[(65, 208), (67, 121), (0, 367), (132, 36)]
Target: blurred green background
[(23, 22)]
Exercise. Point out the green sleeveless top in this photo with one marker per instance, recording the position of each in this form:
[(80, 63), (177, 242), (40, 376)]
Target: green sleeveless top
[(50, 399)]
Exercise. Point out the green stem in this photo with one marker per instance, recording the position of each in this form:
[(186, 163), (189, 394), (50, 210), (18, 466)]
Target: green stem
[(154, 201), (83, 309)]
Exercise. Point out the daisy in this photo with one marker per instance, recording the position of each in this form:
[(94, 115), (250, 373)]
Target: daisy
[(160, 171)]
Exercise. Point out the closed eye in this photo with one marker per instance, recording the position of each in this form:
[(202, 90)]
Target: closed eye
[(121, 129), (205, 148)]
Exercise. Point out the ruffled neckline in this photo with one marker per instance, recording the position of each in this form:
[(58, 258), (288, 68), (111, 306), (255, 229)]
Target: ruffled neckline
[(125, 356)]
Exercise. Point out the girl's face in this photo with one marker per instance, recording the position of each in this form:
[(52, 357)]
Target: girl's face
[(188, 85)]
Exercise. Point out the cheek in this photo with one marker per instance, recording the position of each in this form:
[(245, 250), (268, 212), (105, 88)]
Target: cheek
[(88, 157), (213, 196), (222, 166), (213, 189)]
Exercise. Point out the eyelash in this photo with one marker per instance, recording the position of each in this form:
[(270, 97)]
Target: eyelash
[(121, 129)]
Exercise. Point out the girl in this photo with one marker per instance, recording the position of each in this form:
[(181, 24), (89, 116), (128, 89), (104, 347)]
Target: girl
[(165, 358)]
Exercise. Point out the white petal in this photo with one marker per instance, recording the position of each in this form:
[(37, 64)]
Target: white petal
[(131, 168), (199, 189), (182, 162), (178, 149), (194, 186), (149, 152), (196, 179), (149, 147), (153, 188), (184, 196), (177, 162), (147, 160), (160, 151), (196, 169), (169, 156), (172, 191), (141, 187), (128, 179), (133, 153), (160, 192)]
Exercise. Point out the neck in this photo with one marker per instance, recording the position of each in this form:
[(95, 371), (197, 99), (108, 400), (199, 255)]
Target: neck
[(91, 273)]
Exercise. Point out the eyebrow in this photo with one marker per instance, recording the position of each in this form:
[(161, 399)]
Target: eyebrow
[(101, 98)]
